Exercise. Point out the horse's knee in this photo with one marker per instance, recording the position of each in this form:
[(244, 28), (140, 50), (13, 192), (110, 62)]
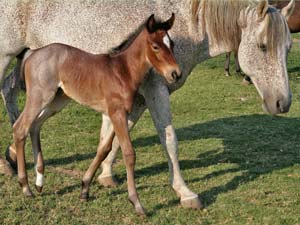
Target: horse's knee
[(19, 133)]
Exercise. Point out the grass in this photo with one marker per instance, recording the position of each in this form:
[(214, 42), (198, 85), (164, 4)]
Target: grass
[(243, 163)]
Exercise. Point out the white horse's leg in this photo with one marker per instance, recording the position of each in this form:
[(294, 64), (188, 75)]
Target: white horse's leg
[(106, 178), (157, 101), (227, 64)]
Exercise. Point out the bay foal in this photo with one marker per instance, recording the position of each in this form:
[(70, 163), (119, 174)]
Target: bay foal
[(105, 82)]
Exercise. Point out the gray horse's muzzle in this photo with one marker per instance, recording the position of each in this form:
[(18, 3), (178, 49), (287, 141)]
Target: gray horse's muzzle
[(278, 105)]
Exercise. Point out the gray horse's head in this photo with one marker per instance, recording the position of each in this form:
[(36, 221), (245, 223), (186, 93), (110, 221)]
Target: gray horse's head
[(263, 50)]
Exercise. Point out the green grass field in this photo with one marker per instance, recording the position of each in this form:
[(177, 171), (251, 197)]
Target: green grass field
[(242, 162)]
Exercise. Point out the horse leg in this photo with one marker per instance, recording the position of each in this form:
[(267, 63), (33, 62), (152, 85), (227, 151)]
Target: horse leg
[(119, 121), (157, 101), (55, 106), (21, 128), (102, 151), (227, 63), (106, 178), (237, 64)]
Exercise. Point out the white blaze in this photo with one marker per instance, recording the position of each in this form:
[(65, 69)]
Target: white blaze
[(167, 41)]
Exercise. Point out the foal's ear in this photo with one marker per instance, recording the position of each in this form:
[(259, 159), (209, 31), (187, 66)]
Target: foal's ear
[(262, 9), (288, 10), (151, 24), (169, 23)]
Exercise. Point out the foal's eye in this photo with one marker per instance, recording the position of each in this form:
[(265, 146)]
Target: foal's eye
[(155, 47), (263, 47)]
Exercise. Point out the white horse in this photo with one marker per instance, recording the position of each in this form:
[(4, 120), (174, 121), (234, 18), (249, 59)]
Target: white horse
[(203, 29)]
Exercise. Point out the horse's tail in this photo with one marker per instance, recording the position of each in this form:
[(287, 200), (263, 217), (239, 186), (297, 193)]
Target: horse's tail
[(11, 85), (21, 59)]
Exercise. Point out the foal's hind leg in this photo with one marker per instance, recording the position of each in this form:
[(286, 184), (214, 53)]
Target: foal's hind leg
[(55, 106), (36, 100)]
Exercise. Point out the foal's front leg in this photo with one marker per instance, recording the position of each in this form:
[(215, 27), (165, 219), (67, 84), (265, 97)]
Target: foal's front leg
[(102, 151), (119, 120)]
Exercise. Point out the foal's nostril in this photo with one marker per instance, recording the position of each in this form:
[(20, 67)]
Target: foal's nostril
[(174, 75)]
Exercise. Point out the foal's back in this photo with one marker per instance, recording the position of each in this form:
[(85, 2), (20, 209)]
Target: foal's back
[(79, 74)]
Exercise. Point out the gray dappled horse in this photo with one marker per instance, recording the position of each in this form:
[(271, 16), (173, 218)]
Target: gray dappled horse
[(203, 29), (294, 25)]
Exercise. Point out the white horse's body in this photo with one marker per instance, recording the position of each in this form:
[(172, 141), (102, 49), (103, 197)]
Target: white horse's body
[(97, 26)]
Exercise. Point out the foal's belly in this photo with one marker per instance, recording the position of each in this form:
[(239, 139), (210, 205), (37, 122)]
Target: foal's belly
[(88, 96)]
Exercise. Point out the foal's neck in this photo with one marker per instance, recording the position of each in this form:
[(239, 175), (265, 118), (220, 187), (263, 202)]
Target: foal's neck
[(135, 59)]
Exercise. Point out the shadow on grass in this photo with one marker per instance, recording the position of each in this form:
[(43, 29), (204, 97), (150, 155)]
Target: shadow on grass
[(257, 144), (294, 69)]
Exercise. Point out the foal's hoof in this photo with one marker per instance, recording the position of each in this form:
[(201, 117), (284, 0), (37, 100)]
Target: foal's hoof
[(193, 203), (39, 188), (108, 181), (11, 157), (140, 211), (28, 193)]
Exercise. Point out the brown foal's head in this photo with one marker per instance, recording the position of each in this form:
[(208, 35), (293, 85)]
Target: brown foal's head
[(160, 48)]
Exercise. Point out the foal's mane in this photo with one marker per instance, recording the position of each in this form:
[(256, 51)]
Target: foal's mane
[(128, 41), (220, 18)]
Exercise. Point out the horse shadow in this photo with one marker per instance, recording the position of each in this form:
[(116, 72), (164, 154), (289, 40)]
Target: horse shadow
[(255, 144)]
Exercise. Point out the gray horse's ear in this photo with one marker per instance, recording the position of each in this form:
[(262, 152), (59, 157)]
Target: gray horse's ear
[(151, 24), (288, 10), (262, 9), (169, 23)]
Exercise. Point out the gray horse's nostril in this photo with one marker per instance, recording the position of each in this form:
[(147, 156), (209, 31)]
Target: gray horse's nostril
[(282, 106)]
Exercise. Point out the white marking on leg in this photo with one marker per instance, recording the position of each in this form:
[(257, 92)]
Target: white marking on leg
[(39, 178), (42, 113), (167, 41)]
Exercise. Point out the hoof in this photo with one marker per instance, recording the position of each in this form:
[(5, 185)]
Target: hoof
[(84, 197), (108, 181), (193, 203), (5, 168), (246, 81), (11, 157), (28, 193), (140, 211), (39, 188), (227, 73)]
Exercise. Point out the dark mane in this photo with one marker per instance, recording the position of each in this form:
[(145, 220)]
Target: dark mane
[(128, 41), (131, 37)]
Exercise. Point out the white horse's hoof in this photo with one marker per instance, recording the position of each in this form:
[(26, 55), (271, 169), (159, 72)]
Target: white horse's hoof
[(193, 203), (109, 181)]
